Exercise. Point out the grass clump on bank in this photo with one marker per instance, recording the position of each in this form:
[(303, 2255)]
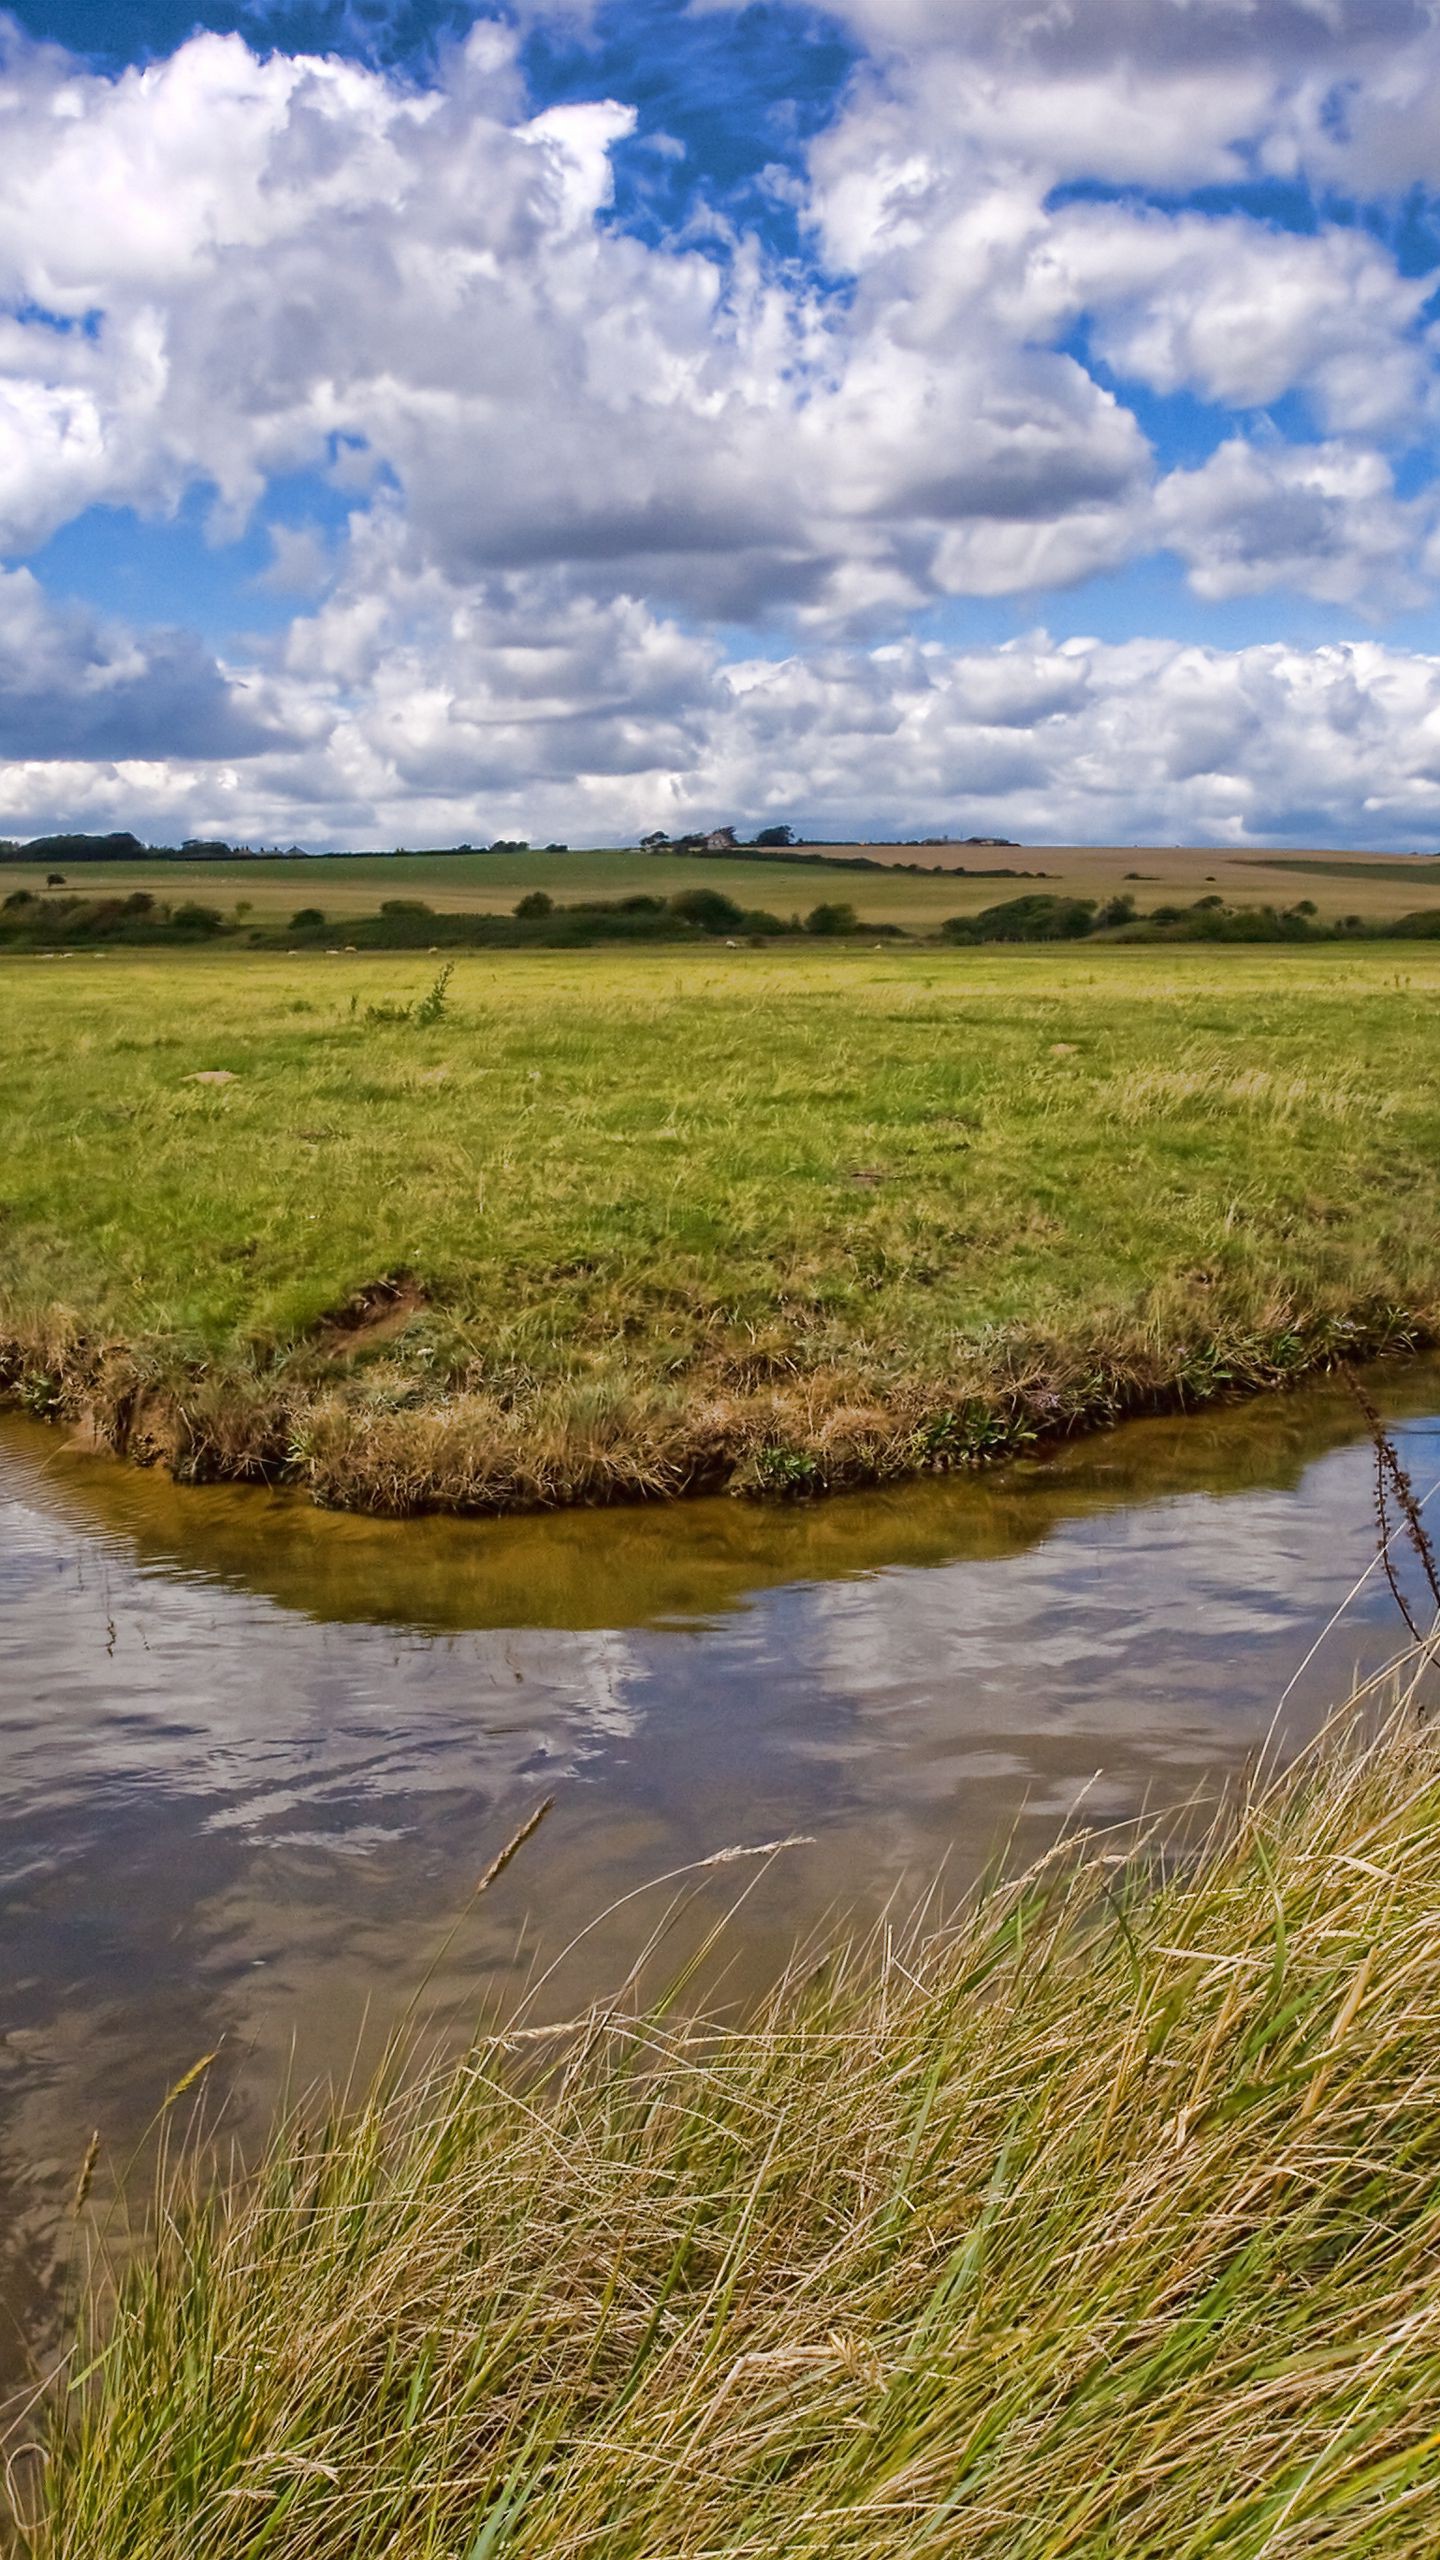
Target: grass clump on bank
[(640, 1224), (1104, 2220)]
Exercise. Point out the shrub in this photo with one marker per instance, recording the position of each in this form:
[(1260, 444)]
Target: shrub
[(82, 848), (194, 919), (432, 1005), (1037, 917), (832, 916), (536, 902), (85, 916), (710, 909), (405, 907), (307, 918)]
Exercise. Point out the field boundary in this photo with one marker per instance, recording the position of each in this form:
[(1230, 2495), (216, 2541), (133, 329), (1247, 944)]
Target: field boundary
[(467, 1453)]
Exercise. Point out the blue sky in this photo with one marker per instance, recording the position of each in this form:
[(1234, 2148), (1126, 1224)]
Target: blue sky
[(417, 425)]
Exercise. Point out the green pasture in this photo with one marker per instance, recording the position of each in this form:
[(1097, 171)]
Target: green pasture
[(617, 1223), (354, 885)]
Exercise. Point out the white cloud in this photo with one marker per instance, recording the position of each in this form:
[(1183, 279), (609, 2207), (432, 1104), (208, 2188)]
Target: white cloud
[(73, 686), (1241, 313), (570, 454), (547, 713), (1172, 93), (243, 260), (1324, 519)]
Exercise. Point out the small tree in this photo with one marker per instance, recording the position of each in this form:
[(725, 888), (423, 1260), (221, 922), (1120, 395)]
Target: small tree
[(771, 836), (709, 908), (536, 902), (54, 879), (832, 917)]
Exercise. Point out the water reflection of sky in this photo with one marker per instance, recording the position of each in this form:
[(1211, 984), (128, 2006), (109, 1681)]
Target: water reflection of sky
[(228, 1811)]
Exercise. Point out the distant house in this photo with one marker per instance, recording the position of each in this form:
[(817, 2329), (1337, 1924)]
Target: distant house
[(719, 840)]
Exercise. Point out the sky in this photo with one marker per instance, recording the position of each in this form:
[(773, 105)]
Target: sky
[(904, 417)]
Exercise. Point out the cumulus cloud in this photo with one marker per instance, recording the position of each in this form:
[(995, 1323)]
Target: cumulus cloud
[(1324, 519), (542, 712), (573, 458), (71, 686), (222, 267), (1241, 313), (1173, 93)]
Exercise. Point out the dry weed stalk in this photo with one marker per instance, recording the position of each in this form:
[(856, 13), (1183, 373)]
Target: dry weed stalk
[(1392, 1482)]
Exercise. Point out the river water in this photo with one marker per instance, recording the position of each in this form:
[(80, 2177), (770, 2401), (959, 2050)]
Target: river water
[(254, 1756)]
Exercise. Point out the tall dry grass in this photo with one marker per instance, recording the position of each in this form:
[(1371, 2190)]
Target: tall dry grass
[(1101, 2219)]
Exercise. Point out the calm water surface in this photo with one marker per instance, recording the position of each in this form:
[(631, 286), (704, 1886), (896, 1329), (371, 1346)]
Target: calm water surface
[(254, 1756)]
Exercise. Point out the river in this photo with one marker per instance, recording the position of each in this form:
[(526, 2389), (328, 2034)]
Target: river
[(254, 1756)]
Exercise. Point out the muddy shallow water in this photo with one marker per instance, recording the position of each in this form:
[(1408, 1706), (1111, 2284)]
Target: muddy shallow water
[(254, 1755)]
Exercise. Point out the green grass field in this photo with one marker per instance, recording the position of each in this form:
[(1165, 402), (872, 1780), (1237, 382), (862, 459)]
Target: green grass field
[(628, 1224), (1100, 2221), (355, 885)]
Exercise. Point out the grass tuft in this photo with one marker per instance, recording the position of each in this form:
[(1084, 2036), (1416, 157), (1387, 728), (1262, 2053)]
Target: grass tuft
[(1102, 2219)]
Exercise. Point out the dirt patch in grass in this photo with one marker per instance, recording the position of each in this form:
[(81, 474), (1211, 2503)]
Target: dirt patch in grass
[(376, 1314)]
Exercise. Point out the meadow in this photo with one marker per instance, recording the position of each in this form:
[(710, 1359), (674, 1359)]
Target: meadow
[(353, 885), (575, 1228), (1099, 2217)]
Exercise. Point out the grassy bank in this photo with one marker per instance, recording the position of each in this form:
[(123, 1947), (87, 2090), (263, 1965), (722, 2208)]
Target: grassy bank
[(1105, 2220), (627, 1225)]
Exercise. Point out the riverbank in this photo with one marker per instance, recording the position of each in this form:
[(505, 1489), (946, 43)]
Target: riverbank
[(620, 1227), (1103, 2217)]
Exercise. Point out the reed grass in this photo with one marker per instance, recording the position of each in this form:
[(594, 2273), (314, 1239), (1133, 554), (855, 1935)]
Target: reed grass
[(1102, 2218)]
